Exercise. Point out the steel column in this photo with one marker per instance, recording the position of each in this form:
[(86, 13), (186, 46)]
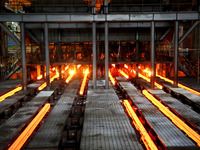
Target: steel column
[(47, 61), (137, 53), (94, 55), (93, 6), (153, 69), (105, 6), (106, 56), (23, 48), (176, 43)]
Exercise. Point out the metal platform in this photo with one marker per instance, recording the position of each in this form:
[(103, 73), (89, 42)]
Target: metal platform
[(184, 110), (17, 96), (49, 134), (169, 134), (9, 129), (193, 97), (7, 85), (106, 126)]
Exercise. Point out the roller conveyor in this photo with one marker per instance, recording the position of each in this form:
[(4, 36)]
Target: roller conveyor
[(7, 85), (169, 134), (13, 101), (184, 110), (106, 126), (191, 96), (11, 127), (49, 134)]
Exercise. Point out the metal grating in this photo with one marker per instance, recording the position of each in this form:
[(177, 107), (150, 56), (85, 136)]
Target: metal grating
[(17, 121), (171, 136), (106, 126), (182, 109), (49, 134)]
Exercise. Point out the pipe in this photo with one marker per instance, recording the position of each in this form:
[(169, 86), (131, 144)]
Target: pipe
[(153, 69), (176, 43)]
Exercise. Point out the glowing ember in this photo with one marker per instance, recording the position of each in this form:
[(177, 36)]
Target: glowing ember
[(66, 68), (41, 87), (10, 93), (78, 66), (19, 142), (53, 69), (180, 85), (113, 65), (150, 145), (111, 78), (39, 77), (124, 74), (125, 66), (176, 120), (84, 82), (72, 72)]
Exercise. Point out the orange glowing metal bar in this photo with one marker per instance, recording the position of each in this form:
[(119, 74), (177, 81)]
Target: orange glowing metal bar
[(111, 78), (176, 120), (180, 85), (150, 145), (10, 93), (124, 74), (83, 83), (148, 80), (41, 87), (19, 142), (70, 77)]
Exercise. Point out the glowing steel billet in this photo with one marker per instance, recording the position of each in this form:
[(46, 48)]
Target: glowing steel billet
[(111, 78), (150, 145), (176, 120), (180, 85), (124, 74), (83, 83), (41, 87), (19, 142), (70, 77), (148, 80), (10, 93)]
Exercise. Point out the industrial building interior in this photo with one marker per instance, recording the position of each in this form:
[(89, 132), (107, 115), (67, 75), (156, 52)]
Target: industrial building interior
[(99, 74)]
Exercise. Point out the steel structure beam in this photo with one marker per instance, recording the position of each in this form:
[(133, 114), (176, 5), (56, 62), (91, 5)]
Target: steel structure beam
[(17, 41), (94, 55), (89, 26), (153, 68), (32, 36), (164, 35), (23, 54), (47, 60), (176, 43), (188, 32), (171, 16), (106, 56)]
